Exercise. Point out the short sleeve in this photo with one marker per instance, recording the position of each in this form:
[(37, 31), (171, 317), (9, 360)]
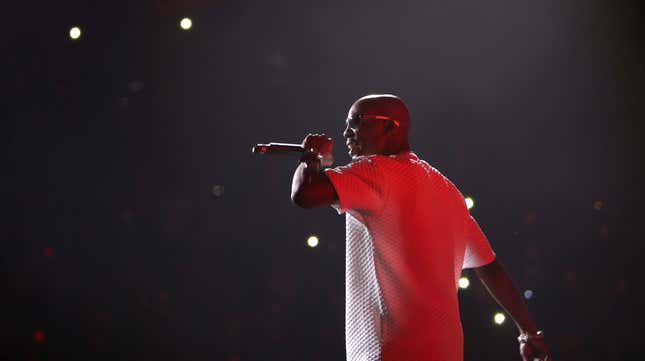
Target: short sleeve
[(360, 185), (478, 250)]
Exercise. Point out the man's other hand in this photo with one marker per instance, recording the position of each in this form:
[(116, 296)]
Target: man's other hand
[(535, 348)]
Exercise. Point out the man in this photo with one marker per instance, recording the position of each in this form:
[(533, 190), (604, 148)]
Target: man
[(409, 235)]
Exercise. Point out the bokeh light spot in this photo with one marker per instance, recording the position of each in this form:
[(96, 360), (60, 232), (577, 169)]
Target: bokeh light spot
[(217, 190), (528, 294), (186, 23), (470, 203), (48, 252), (530, 218), (39, 336), (313, 241), (499, 318), (464, 282), (621, 286), (75, 33)]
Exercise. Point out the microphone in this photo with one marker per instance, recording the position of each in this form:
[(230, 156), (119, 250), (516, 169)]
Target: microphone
[(277, 148)]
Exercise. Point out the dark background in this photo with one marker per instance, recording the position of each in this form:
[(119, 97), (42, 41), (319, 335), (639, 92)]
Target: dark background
[(136, 225)]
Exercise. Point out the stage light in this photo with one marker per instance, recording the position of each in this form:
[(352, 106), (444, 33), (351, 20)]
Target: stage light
[(75, 33), (470, 203), (312, 241), (464, 282), (186, 23), (499, 318), (528, 294)]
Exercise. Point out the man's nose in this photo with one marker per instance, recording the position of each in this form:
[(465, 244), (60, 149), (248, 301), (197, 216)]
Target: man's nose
[(348, 133)]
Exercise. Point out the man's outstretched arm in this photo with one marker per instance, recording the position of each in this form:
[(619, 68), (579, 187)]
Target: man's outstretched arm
[(501, 288)]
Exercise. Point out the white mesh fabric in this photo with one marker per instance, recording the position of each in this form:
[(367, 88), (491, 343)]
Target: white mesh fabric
[(362, 319), (409, 234)]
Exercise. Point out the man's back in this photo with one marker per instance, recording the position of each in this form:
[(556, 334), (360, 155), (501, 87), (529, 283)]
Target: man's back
[(407, 228)]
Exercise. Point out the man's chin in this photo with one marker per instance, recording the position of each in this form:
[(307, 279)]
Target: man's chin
[(354, 150)]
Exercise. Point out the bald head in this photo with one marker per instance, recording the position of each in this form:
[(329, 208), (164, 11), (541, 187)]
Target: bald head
[(383, 104)]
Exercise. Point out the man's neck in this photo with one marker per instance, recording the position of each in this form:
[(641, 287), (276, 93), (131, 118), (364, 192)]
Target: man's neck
[(399, 148)]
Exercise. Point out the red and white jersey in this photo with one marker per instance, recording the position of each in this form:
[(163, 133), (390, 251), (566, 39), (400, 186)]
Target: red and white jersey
[(409, 235)]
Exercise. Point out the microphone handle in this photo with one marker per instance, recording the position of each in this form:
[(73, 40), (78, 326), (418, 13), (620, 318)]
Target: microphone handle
[(277, 148)]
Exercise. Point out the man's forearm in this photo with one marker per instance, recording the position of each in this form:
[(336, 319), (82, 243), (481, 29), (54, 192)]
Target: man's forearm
[(310, 186), (305, 174), (501, 287)]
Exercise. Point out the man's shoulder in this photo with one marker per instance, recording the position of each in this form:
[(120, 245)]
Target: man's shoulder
[(362, 160), (383, 162)]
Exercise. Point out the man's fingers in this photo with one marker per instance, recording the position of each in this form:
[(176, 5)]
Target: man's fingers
[(318, 143)]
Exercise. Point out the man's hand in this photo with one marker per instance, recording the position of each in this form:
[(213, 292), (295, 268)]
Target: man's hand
[(534, 348), (319, 144)]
